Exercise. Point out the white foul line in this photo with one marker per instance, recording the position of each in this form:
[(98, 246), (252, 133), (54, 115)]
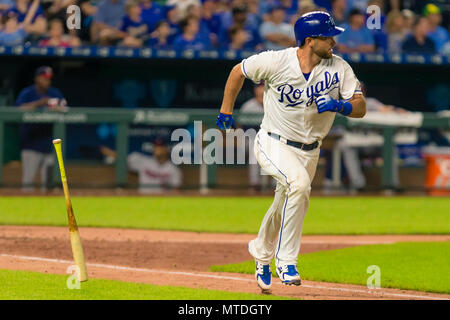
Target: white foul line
[(107, 266)]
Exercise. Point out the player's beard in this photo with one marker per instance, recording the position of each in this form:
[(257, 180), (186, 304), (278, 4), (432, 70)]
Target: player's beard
[(323, 53)]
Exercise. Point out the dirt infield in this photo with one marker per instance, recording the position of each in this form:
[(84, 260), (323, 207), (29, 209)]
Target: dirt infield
[(180, 258)]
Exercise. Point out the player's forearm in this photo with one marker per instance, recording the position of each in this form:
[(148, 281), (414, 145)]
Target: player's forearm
[(359, 107), (232, 89)]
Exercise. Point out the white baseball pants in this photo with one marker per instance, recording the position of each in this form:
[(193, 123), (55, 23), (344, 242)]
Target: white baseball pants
[(281, 229), (32, 161)]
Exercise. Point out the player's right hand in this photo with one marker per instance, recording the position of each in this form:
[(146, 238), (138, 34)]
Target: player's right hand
[(225, 121)]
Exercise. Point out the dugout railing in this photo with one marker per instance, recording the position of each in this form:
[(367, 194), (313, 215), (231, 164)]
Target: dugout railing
[(123, 118)]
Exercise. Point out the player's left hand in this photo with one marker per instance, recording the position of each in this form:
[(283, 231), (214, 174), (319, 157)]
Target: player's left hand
[(326, 103), (225, 121)]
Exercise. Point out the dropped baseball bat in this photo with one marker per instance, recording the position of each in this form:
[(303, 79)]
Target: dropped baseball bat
[(75, 241)]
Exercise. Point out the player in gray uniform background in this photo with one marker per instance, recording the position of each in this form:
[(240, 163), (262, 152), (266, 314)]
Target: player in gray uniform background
[(305, 87)]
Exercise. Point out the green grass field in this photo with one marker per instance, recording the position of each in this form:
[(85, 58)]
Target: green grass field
[(414, 266), (327, 215), (24, 285)]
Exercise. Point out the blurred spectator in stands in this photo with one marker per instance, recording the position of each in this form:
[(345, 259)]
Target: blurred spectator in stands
[(57, 9), (254, 19), (57, 38), (276, 33), (183, 6), (419, 42), (239, 19), (254, 105), (397, 31), (238, 38), (195, 11), (409, 17), (356, 37), (151, 14), (38, 24), (88, 10), (133, 25), (156, 173), (191, 37), (290, 8), (339, 10), (160, 38), (173, 18), (35, 139), (437, 33), (5, 5), (107, 21), (14, 32), (211, 20)]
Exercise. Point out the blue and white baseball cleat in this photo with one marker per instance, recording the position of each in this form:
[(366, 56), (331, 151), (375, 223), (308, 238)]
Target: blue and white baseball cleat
[(288, 275), (263, 277)]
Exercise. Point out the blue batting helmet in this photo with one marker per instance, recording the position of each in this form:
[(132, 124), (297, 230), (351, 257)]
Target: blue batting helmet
[(315, 24)]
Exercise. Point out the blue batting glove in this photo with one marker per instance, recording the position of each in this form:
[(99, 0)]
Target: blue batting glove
[(225, 121), (326, 103)]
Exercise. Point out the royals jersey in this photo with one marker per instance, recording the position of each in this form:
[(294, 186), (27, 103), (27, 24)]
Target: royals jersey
[(289, 103)]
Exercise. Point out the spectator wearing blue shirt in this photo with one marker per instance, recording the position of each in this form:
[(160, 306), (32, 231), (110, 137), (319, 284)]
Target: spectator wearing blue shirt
[(239, 15), (437, 33), (276, 33), (107, 21), (36, 139), (238, 38), (211, 20), (419, 42), (290, 8), (38, 23), (195, 10), (14, 31), (152, 13), (254, 18), (356, 37), (134, 26), (173, 18), (161, 36), (88, 11), (191, 37)]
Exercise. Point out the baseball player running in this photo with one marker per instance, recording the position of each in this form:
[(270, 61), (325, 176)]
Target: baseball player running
[(305, 87)]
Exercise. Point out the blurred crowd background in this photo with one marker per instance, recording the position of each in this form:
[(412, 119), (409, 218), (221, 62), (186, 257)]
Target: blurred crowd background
[(406, 26)]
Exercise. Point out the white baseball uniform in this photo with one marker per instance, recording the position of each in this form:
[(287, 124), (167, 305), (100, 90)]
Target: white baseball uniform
[(253, 106), (153, 176), (290, 112)]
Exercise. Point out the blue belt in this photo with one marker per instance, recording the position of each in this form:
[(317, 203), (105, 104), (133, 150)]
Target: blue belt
[(302, 146)]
